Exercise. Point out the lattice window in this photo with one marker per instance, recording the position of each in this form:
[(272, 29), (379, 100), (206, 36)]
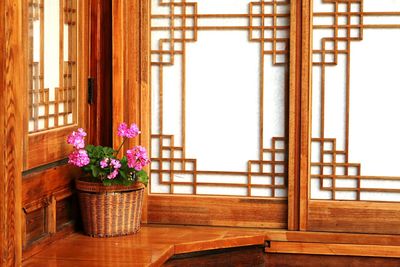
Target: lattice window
[(52, 69), (355, 63), (219, 90)]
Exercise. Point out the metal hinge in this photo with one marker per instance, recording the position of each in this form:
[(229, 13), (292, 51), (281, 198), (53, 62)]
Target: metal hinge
[(90, 90)]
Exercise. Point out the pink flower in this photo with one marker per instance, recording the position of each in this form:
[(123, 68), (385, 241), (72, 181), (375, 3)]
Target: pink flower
[(116, 163), (130, 132), (113, 174), (104, 163), (79, 157), (77, 139), (137, 158)]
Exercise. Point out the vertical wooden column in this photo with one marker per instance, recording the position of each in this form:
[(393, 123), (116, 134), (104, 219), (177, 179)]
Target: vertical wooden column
[(12, 84), (131, 70), (305, 112), (100, 69)]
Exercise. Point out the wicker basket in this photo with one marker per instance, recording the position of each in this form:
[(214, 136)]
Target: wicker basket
[(110, 210)]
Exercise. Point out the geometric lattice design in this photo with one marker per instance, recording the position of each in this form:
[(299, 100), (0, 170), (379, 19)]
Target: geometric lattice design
[(51, 104), (347, 26), (168, 162), (174, 25), (338, 25), (182, 27), (268, 24)]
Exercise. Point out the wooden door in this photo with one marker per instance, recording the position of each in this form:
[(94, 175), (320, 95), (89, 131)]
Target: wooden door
[(354, 142), (55, 99), (219, 112)]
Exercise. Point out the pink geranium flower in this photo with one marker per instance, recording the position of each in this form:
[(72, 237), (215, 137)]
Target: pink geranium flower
[(137, 158), (130, 132), (104, 163), (77, 139), (79, 158), (113, 174)]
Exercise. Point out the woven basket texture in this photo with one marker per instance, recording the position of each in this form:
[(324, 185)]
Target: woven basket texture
[(108, 211)]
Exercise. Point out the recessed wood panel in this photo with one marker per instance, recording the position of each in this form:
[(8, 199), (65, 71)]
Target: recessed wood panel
[(65, 212), (361, 217), (222, 211), (36, 227)]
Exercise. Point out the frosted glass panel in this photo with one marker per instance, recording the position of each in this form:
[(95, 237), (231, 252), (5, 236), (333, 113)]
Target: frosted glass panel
[(52, 68), (219, 83), (355, 95)]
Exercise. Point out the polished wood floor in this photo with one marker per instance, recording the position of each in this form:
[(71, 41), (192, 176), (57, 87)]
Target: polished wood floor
[(152, 246)]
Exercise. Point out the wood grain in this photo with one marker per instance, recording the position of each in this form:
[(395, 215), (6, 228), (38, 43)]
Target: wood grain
[(131, 71), (222, 211), (305, 113), (334, 249), (155, 244), (354, 216), (100, 68), (11, 105), (298, 260)]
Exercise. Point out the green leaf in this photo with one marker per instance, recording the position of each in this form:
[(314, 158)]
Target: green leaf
[(142, 177), (107, 182)]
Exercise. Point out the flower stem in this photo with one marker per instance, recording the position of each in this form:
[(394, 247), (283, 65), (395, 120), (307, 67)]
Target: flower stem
[(120, 146)]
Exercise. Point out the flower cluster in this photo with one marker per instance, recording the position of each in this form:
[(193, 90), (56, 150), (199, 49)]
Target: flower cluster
[(137, 158), (102, 163), (130, 132), (79, 157)]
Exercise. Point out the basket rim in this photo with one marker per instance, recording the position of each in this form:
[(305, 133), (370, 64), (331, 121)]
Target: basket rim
[(96, 187)]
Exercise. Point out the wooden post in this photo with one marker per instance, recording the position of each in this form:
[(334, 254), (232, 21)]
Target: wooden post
[(12, 83)]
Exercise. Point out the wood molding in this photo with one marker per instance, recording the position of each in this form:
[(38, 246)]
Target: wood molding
[(334, 249), (12, 84)]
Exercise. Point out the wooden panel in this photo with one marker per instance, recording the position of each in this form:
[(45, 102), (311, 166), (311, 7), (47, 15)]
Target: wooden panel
[(350, 216), (298, 260), (224, 211), (11, 103), (65, 212), (36, 227), (334, 249), (40, 184)]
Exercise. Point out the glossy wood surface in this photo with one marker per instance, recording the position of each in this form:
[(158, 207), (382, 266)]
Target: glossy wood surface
[(152, 246), (12, 85), (155, 244), (217, 211)]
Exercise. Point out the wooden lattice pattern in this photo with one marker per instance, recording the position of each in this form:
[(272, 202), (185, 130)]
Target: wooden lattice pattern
[(267, 24), (50, 108), (342, 26)]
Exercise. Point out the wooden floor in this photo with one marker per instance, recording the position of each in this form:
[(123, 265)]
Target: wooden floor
[(155, 244), (152, 246)]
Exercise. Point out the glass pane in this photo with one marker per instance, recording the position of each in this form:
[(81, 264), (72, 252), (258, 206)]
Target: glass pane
[(219, 90)]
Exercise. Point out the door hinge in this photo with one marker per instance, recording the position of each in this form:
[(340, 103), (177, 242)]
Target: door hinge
[(90, 90)]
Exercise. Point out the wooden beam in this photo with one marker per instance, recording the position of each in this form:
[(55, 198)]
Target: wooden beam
[(12, 84)]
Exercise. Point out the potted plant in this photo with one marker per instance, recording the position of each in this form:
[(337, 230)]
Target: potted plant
[(111, 192)]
